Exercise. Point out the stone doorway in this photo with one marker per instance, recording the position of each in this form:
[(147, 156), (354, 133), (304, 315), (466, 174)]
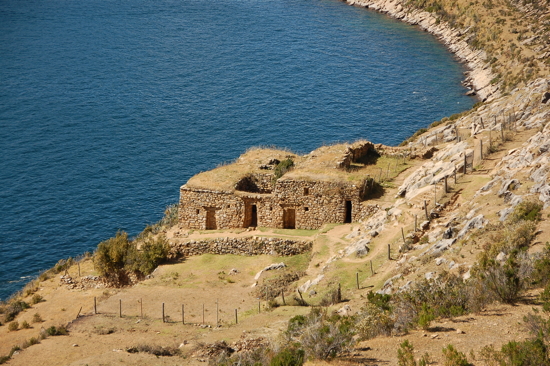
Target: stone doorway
[(289, 218), (251, 215), (211, 219), (347, 219)]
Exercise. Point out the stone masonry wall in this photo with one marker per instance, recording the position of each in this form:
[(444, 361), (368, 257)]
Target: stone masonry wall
[(241, 246), (317, 203), (354, 153), (194, 204)]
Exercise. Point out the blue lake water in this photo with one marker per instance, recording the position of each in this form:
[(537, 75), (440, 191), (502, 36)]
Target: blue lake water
[(108, 106)]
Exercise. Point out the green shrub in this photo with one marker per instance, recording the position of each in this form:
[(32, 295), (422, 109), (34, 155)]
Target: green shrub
[(283, 167), (36, 298), (57, 331), (527, 210), (152, 253), (426, 316), (453, 357), (525, 353), (541, 273), (110, 255), (405, 354), (36, 318), (322, 336), (13, 350), (25, 325), (373, 321), (116, 257), (380, 300), (4, 359), (13, 326), (291, 356), (30, 342), (14, 308)]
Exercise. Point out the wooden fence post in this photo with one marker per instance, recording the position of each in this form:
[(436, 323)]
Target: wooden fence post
[(426, 210), (371, 269), (163, 318), (415, 223), (403, 236), (465, 162), (95, 305), (455, 174), (389, 254), (481, 149), (236, 318), (120, 308)]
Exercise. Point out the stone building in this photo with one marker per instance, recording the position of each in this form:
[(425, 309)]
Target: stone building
[(328, 185)]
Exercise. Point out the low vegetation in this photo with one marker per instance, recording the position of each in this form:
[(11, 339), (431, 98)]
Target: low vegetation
[(116, 259)]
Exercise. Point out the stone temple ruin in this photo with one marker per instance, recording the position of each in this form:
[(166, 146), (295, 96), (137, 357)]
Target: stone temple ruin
[(328, 185)]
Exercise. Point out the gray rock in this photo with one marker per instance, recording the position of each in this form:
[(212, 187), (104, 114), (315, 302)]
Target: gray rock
[(439, 261), (508, 185), (475, 223), (447, 234), (501, 257)]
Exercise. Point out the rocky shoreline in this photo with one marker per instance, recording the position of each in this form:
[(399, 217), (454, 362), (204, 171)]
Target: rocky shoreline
[(479, 74)]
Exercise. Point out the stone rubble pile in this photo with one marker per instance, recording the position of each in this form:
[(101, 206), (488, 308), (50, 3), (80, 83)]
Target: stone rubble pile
[(82, 283)]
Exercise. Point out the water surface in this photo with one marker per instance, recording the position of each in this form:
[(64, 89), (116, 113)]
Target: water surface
[(108, 106)]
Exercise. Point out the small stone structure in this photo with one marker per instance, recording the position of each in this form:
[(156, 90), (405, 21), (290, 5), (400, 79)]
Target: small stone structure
[(324, 186)]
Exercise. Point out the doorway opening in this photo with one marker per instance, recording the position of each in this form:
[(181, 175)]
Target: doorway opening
[(348, 213), (211, 219), (289, 218), (254, 216)]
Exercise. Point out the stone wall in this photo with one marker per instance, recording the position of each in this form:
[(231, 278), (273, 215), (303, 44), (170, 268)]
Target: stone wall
[(256, 183), (196, 204), (355, 153), (316, 203), (242, 246)]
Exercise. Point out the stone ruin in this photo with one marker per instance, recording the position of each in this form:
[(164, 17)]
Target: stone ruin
[(320, 188)]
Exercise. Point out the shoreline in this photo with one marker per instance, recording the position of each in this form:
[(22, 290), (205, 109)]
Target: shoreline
[(478, 75)]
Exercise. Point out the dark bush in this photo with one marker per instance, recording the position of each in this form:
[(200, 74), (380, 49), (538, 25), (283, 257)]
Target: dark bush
[(116, 257), (283, 167), (288, 357), (57, 331), (13, 309), (526, 210)]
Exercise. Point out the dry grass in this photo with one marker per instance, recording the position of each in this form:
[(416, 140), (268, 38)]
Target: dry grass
[(223, 178)]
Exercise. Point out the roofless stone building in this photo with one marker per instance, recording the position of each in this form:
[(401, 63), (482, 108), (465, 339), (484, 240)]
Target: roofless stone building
[(328, 185)]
